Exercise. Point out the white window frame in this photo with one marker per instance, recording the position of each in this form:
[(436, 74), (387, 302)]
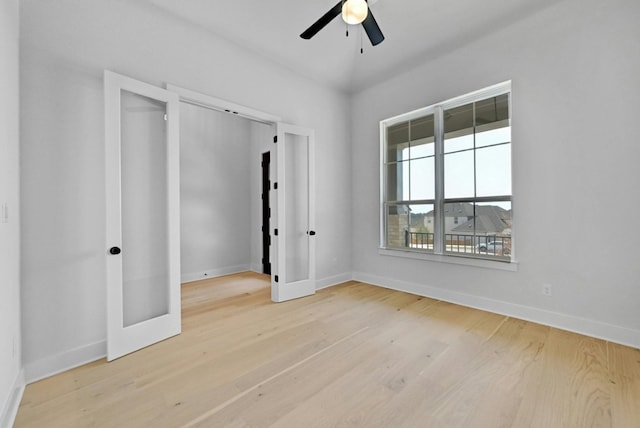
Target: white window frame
[(438, 253)]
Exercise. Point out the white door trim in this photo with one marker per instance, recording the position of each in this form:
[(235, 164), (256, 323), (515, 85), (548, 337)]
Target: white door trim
[(206, 101)]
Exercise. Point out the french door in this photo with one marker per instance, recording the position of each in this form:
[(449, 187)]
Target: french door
[(294, 271), (143, 208)]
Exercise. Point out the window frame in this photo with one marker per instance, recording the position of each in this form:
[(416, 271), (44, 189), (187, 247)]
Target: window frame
[(438, 253)]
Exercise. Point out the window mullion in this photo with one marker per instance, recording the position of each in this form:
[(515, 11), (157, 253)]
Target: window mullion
[(408, 161), (438, 227), (475, 178)]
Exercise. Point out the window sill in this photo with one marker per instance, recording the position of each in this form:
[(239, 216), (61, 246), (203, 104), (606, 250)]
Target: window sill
[(511, 266)]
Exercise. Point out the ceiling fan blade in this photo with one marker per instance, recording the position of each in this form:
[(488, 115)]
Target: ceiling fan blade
[(322, 22), (372, 29)]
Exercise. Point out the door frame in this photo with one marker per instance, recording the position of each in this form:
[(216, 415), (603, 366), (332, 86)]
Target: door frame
[(206, 101), (196, 98)]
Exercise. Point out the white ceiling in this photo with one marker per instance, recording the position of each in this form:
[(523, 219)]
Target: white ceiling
[(415, 31)]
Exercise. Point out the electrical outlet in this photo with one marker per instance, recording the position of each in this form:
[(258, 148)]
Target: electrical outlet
[(546, 289)]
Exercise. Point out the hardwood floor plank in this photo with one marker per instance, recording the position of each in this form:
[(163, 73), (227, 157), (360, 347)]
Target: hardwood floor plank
[(515, 368), (574, 383), (624, 378), (351, 355)]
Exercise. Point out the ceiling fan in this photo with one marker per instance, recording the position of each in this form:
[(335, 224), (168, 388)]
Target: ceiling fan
[(353, 12)]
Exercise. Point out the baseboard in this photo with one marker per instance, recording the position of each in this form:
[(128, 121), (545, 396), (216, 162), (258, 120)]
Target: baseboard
[(64, 361), (67, 360), (587, 327), (8, 416), (333, 280), (212, 273), (55, 364)]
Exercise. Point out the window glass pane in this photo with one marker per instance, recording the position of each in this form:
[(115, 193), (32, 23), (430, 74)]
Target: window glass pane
[(397, 225), (483, 229), (493, 136), (398, 142), (463, 142), (494, 109), (421, 134), (458, 128), (422, 127), (398, 181), (459, 227), (458, 175), (410, 226), (398, 152), (493, 229), (422, 178), (421, 148), (420, 233), (458, 119), (493, 170)]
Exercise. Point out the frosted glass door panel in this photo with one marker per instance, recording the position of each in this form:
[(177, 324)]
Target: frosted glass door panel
[(145, 231), (297, 207)]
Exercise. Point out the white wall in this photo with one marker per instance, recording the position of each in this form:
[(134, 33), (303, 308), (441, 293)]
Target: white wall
[(10, 380), (574, 69), (65, 45), (215, 193)]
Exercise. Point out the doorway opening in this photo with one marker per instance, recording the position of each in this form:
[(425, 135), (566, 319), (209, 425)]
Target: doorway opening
[(266, 212), (223, 228), (292, 257)]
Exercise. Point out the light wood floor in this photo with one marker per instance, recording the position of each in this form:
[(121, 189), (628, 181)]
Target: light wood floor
[(352, 355)]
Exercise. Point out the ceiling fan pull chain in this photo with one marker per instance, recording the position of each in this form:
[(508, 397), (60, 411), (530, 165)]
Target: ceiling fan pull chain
[(361, 47), (346, 24)]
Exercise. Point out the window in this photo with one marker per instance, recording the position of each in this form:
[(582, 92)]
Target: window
[(446, 177)]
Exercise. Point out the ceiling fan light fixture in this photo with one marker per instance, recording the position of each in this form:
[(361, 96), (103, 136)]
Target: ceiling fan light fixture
[(354, 11)]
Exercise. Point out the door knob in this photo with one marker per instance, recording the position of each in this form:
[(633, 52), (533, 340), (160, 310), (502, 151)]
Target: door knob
[(114, 250)]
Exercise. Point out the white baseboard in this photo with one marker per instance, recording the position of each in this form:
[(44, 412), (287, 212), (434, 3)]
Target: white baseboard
[(64, 361), (76, 357), (333, 280), (52, 365), (587, 327), (10, 410), (212, 273), (67, 360)]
